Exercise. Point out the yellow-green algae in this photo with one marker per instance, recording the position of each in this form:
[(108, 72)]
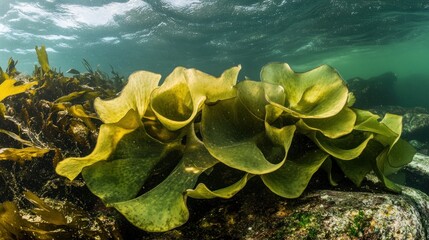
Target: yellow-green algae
[(198, 122)]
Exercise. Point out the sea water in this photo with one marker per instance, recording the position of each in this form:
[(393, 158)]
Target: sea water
[(360, 38)]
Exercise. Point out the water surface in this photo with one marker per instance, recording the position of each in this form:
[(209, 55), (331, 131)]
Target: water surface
[(361, 38)]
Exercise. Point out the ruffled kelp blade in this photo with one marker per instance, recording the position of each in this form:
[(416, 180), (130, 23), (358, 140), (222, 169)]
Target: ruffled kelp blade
[(121, 115), (387, 132), (292, 178), (255, 96), (318, 93), (109, 136), (203, 192), (381, 163), (393, 152), (332, 127), (231, 134), (356, 169), (135, 95), (164, 207), (133, 160), (400, 152), (181, 96), (345, 148)]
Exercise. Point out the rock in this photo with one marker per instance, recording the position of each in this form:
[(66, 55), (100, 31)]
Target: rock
[(415, 129), (379, 90), (322, 212), (416, 126), (399, 110), (419, 165), (415, 174), (421, 201), (387, 89), (318, 214)]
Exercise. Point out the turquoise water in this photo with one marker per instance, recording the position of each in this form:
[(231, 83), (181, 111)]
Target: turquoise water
[(359, 38)]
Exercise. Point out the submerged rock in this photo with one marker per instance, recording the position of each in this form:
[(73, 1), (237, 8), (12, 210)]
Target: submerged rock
[(318, 214), (419, 165), (379, 90), (322, 212), (416, 125), (416, 173)]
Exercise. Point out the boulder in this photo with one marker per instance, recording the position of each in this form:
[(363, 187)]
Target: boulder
[(375, 91), (318, 214), (415, 174), (322, 212)]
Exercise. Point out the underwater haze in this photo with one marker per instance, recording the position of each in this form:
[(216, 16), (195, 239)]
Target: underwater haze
[(360, 38)]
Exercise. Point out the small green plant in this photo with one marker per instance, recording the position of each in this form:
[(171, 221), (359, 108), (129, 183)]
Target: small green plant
[(358, 224), (157, 139), (304, 219)]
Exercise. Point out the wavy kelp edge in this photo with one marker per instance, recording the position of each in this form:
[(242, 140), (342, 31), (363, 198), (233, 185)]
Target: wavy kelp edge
[(198, 121)]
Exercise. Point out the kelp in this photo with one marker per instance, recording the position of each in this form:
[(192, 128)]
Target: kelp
[(11, 67), (56, 114), (44, 117), (9, 87), (10, 221), (42, 56), (48, 219), (22, 154), (57, 87), (282, 129)]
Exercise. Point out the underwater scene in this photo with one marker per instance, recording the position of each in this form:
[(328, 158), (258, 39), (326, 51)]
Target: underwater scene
[(214, 119)]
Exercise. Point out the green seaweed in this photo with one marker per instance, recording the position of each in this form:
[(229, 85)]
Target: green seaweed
[(194, 122), (359, 223)]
